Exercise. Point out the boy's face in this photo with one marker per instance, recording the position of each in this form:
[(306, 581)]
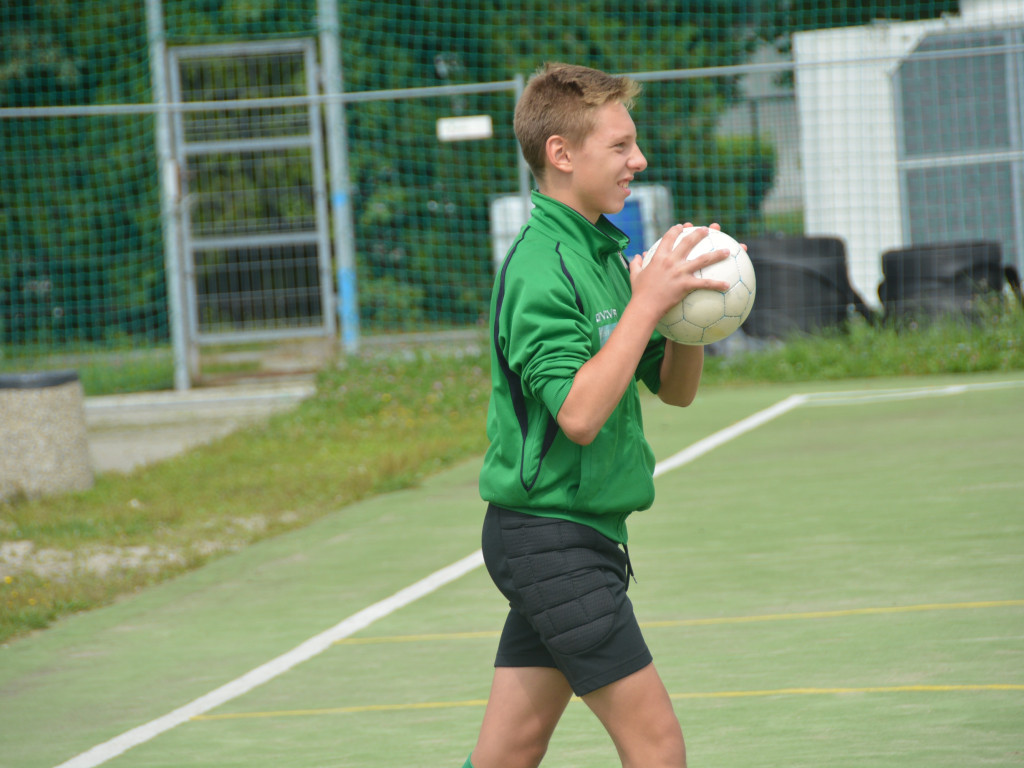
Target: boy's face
[(605, 163)]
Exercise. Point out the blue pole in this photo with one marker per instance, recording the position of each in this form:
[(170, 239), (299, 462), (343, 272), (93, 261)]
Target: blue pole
[(337, 158)]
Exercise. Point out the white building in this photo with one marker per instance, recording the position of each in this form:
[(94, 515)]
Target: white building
[(913, 132)]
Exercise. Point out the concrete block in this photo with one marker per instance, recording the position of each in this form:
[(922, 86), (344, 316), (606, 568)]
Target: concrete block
[(44, 448)]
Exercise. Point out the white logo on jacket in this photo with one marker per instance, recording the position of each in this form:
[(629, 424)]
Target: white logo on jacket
[(605, 331)]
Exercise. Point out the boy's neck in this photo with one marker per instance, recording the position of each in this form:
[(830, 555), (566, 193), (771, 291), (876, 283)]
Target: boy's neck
[(563, 195)]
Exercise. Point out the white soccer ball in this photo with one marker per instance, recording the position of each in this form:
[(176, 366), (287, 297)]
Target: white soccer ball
[(706, 316)]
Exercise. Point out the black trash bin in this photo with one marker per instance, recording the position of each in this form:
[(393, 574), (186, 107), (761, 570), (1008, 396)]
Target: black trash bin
[(44, 447), (803, 285)]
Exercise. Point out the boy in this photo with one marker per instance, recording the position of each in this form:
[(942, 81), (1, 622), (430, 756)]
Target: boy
[(572, 330)]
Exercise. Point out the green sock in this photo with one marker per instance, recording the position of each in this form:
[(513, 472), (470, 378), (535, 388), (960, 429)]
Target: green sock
[(469, 761)]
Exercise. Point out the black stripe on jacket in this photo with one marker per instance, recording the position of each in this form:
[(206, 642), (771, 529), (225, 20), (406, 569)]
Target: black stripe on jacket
[(515, 383)]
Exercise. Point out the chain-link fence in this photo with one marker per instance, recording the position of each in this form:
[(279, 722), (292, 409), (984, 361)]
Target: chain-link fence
[(195, 192)]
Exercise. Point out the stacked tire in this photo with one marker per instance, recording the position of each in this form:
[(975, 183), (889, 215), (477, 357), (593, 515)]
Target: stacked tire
[(925, 282)]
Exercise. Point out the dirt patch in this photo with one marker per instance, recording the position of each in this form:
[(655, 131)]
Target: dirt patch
[(59, 564)]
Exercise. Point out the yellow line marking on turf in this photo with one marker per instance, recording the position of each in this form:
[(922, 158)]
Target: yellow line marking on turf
[(835, 614), (676, 696), (708, 622), (346, 710), (839, 691)]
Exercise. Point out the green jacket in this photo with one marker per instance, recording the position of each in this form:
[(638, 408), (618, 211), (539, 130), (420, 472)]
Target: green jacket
[(559, 294)]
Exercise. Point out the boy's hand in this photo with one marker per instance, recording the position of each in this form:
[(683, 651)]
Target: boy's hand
[(669, 276)]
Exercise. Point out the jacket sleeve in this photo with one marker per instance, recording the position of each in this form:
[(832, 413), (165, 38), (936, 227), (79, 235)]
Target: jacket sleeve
[(649, 370), (543, 332)]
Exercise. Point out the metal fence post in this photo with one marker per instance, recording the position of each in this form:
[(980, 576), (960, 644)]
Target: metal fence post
[(168, 192), (337, 158)]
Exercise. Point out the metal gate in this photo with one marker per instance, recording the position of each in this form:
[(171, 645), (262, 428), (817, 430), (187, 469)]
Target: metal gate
[(253, 197)]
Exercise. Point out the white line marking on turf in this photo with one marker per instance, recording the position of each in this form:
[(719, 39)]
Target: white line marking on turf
[(364, 618), (318, 644), (858, 397), (711, 442), (307, 650)]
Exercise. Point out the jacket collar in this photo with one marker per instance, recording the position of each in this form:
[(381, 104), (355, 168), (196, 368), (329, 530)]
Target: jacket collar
[(564, 223)]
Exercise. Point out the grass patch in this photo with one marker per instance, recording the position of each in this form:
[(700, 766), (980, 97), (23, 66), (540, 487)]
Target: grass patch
[(992, 342), (109, 372), (374, 425)]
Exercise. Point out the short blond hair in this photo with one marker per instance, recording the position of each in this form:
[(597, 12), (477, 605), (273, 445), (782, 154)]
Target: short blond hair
[(560, 100)]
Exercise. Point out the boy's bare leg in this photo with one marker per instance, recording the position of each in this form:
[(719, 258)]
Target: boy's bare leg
[(525, 705), (637, 712)]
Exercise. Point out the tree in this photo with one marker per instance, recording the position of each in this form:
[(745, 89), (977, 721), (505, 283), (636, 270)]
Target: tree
[(79, 222), (779, 19)]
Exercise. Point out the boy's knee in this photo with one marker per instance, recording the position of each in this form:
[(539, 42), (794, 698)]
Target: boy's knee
[(672, 748), (670, 754), (522, 746), (522, 754)]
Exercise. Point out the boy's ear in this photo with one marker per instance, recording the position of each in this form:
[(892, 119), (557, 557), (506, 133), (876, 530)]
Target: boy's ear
[(558, 153)]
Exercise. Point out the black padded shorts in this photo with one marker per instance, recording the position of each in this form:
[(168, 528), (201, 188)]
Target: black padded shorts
[(566, 586)]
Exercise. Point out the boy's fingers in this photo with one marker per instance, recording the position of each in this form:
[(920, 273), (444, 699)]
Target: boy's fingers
[(687, 243), (713, 225), (709, 258)]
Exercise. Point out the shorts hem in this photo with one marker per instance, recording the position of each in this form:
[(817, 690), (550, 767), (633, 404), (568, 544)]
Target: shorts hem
[(591, 684), (523, 661), (609, 676)]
